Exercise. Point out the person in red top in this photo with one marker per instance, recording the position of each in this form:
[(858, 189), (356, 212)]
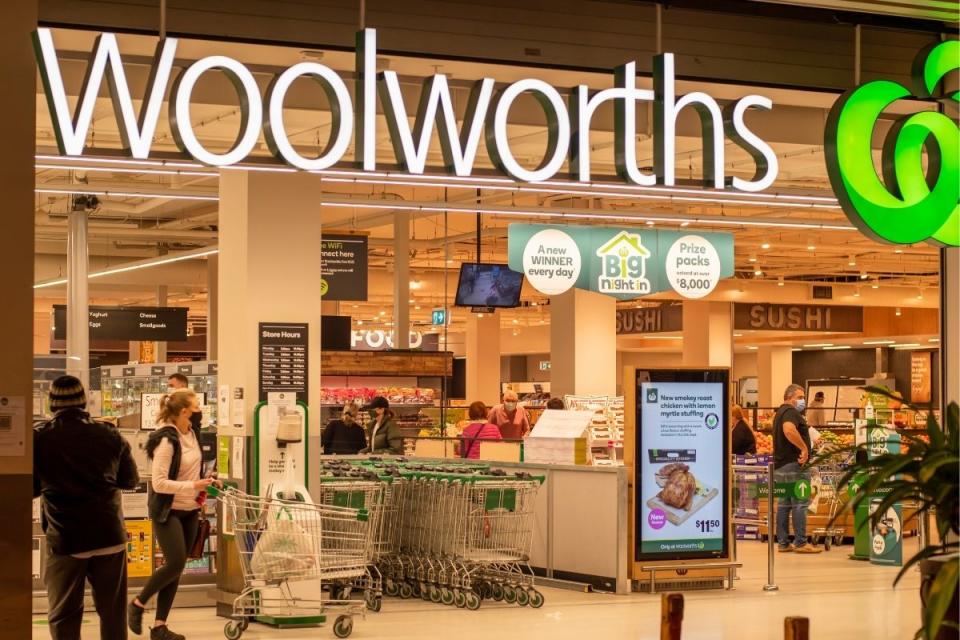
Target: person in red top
[(510, 417), (476, 430)]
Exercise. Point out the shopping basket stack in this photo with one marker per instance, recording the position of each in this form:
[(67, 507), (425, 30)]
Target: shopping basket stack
[(289, 553)]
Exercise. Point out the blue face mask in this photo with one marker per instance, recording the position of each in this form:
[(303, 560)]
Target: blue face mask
[(801, 404)]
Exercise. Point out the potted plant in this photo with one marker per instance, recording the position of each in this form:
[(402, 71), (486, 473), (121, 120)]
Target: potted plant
[(925, 471)]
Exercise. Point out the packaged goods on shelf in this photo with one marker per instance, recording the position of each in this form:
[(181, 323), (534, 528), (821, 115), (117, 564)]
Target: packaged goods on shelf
[(339, 396), (605, 433)]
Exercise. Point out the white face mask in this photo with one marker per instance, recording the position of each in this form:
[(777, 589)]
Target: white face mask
[(509, 406), (801, 404)]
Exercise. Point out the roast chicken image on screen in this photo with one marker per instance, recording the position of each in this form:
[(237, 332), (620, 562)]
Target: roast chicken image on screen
[(679, 485)]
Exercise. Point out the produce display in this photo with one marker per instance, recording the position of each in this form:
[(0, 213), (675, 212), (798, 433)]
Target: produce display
[(363, 395)]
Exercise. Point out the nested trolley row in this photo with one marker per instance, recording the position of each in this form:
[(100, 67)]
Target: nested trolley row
[(451, 534)]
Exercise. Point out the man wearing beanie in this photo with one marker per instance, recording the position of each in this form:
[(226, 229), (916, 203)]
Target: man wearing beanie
[(79, 467)]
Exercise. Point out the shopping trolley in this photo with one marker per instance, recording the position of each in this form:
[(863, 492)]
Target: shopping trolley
[(366, 491), (464, 537), (289, 551), (830, 476)]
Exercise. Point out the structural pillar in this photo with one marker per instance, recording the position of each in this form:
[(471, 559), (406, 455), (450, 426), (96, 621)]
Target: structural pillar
[(583, 344), (18, 126), (950, 325), (78, 301), (774, 373), (269, 238), (401, 280), (483, 357), (213, 302), (707, 334)]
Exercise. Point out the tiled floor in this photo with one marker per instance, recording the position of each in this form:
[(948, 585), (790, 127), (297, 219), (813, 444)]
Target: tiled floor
[(843, 599)]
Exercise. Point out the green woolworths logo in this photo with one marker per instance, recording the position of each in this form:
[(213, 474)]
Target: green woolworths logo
[(908, 205)]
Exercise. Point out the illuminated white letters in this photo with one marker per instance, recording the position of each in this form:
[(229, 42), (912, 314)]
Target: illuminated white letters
[(341, 114), (666, 108), (763, 156), (558, 131), (484, 114), (71, 133), (625, 109), (436, 105), (251, 111)]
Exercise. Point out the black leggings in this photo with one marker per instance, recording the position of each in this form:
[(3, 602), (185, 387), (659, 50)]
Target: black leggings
[(175, 537)]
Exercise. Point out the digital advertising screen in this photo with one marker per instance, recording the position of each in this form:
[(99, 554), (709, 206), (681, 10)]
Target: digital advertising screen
[(682, 465), (488, 285)]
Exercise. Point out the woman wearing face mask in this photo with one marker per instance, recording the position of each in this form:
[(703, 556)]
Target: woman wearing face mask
[(345, 436), (173, 504), (510, 417), (382, 430)]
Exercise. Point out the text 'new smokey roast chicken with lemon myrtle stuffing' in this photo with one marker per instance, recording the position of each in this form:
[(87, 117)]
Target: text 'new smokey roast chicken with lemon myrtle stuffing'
[(679, 485)]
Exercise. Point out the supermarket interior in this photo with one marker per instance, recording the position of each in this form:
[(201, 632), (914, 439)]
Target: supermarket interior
[(300, 215)]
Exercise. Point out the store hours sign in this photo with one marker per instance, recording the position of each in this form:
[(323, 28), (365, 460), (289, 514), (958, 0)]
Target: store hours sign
[(624, 263)]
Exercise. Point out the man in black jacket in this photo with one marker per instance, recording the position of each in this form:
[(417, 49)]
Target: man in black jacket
[(79, 467)]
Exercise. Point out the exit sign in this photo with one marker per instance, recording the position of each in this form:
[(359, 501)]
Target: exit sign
[(544, 365), (439, 317)]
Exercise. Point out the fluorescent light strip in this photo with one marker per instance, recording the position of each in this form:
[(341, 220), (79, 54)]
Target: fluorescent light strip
[(736, 222), (154, 172), (838, 347), (934, 340), (819, 344), (483, 182), (905, 345), (125, 194), (154, 262), (880, 342)]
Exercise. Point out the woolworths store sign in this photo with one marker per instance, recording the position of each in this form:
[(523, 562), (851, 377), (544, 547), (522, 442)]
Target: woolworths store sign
[(485, 119), (910, 203)]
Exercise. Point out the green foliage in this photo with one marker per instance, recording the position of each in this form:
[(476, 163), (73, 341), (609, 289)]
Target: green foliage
[(927, 474)]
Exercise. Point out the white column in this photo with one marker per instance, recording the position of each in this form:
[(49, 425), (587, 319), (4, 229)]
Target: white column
[(270, 252), (774, 373), (950, 325), (483, 358), (213, 302), (583, 344), (78, 301), (401, 280), (707, 334)]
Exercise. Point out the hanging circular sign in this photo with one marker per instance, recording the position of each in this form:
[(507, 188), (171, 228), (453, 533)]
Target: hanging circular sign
[(693, 266), (551, 261)]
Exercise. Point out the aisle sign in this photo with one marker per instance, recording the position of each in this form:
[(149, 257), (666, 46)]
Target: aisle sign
[(343, 267), (164, 324), (681, 474), (284, 356), (621, 262)]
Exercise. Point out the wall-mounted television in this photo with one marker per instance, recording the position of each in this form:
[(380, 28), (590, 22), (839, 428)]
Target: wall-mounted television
[(488, 285)]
